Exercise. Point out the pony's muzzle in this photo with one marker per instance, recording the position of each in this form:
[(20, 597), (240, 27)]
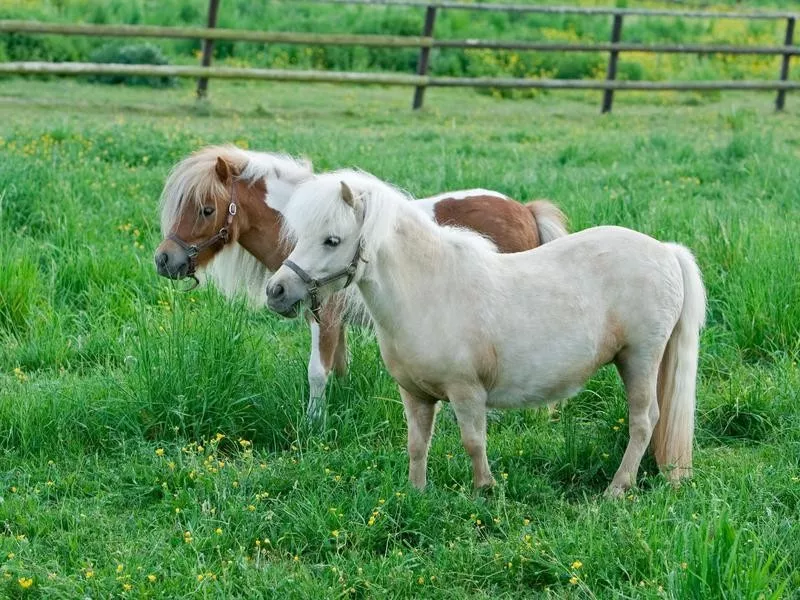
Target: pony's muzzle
[(284, 295), (171, 263)]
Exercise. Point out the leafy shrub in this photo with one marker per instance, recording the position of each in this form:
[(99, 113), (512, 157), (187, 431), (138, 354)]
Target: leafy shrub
[(134, 54)]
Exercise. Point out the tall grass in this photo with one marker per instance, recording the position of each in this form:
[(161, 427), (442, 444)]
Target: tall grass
[(147, 432)]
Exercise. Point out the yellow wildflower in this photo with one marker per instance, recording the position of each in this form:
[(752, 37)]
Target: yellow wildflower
[(25, 582), (573, 580), (577, 565), (159, 452), (151, 578)]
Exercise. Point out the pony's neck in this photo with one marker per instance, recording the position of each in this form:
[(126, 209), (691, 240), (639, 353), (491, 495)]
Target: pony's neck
[(406, 259), (260, 226)]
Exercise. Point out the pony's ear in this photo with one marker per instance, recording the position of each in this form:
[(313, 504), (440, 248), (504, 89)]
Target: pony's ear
[(347, 195), (223, 170)]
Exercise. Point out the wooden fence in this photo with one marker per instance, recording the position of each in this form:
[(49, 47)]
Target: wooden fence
[(425, 43)]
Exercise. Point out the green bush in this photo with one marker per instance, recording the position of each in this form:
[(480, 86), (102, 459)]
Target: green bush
[(134, 54)]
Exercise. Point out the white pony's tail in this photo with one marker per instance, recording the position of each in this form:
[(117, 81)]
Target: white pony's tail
[(677, 375), (550, 221)]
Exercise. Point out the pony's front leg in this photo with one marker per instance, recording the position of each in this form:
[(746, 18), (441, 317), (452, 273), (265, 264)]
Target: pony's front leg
[(317, 378), (420, 416), (469, 405), (328, 351)]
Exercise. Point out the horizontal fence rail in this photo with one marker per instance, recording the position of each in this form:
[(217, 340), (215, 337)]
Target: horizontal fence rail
[(71, 68), (425, 43), (232, 35), (570, 10), (375, 41)]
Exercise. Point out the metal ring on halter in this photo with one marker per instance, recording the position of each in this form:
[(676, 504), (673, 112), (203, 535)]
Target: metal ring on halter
[(196, 283)]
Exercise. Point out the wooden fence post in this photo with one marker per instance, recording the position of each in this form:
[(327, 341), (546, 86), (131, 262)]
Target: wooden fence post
[(780, 100), (208, 48), (611, 73), (424, 55)]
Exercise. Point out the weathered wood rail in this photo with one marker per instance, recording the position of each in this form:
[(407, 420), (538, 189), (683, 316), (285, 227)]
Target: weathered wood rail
[(426, 42)]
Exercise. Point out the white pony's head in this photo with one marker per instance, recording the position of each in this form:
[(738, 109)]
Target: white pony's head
[(334, 221)]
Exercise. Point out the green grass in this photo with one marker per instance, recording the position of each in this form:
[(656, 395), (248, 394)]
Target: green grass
[(103, 365)]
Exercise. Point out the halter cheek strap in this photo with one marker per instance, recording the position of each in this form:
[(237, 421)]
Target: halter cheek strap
[(193, 250), (313, 285)]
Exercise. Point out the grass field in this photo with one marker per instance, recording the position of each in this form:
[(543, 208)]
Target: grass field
[(114, 386)]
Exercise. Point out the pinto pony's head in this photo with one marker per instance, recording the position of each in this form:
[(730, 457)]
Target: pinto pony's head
[(206, 198)]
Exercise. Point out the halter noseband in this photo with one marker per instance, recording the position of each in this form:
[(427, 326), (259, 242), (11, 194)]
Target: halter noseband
[(313, 285), (193, 250)]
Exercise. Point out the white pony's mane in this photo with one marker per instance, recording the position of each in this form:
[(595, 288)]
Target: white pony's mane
[(319, 202), (233, 270)]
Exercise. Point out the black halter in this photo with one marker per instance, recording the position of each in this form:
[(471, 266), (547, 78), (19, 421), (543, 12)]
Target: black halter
[(193, 250), (313, 285)]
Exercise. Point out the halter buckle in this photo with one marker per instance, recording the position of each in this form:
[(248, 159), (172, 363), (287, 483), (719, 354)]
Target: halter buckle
[(232, 209)]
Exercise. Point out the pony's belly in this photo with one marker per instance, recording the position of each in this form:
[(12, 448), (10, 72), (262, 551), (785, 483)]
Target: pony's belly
[(533, 395)]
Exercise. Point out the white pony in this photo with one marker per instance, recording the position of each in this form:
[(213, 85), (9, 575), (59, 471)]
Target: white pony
[(457, 321)]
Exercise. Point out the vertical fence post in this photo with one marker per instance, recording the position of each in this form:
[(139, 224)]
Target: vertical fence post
[(611, 73), (788, 41), (208, 47), (424, 55)]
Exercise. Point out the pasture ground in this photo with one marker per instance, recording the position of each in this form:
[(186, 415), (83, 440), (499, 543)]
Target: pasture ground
[(114, 385)]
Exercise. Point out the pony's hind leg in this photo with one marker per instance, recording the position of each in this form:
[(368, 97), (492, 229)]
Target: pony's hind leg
[(470, 407), (639, 373), (420, 416)]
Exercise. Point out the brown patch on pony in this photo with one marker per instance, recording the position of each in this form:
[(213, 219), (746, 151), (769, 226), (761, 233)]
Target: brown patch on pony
[(259, 226), (509, 224)]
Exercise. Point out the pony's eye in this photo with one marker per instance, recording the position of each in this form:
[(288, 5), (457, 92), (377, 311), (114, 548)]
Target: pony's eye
[(332, 241), (208, 211)]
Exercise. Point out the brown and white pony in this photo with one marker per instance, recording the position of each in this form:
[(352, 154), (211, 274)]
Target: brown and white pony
[(221, 221)]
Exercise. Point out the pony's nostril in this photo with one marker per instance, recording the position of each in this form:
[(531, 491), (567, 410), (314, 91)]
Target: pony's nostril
[(277, 290), (162, 259)]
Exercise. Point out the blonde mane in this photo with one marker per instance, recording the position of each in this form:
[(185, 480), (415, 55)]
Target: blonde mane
[(233, 270)]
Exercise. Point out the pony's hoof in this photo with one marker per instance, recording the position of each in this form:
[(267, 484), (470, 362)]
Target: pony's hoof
[(484, 489), (614, 492), (418, 487)]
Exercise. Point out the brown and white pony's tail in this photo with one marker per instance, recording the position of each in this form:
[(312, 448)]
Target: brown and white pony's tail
[(677, 375), (550, 221)]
